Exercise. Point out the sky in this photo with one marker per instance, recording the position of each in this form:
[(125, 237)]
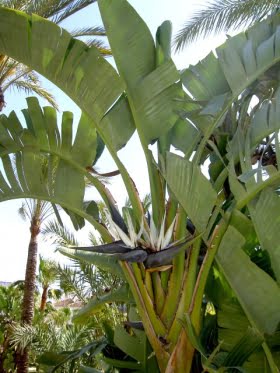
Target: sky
[(14, 231)]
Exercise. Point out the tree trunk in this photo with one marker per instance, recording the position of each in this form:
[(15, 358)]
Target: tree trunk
[(44, 298), (29, 291)]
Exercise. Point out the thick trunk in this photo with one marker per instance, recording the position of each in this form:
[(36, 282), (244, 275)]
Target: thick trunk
[(44, 298), (29, 291)]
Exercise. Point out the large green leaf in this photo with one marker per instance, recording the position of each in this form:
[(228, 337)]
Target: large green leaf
[(245, 226), (133, 342), (132, 345), (266, 218), (184, 136), (122, 295), (244, 348), (135, 37), (82, 73), (240, 61), (232, 323), (206, 79), (89, 79), (218, 81), (191, 188), (56, 360), (68, 62), (257, 292), (265, 120), (151, 90), (48, 163)]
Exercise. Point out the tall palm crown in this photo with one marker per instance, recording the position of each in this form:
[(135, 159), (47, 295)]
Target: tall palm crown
[(223, 15), (19, 76)]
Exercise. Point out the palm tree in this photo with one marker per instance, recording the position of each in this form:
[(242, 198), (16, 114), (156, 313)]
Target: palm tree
[(36, 212), (47, 276), (222, 16), (21, 77)]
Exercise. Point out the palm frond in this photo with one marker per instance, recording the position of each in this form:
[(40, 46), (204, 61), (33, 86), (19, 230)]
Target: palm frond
[(22, 335), (94, 240), (100, 45), (223, 15), (58, 10), (45, 210), (28, 88), (8, 71), (59, 235), (13, 4), (70, 283), (67, 8), (88, 31), (31, 208), (48, 271)]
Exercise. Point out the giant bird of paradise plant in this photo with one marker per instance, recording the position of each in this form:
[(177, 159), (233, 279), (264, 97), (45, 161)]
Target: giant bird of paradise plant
[(220, 232)]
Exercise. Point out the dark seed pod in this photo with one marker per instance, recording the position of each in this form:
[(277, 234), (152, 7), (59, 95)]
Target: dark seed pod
[(116, 247), (134, 256), (165, 257)]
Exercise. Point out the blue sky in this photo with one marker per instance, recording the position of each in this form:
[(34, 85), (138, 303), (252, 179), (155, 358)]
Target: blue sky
[(15, 232)]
